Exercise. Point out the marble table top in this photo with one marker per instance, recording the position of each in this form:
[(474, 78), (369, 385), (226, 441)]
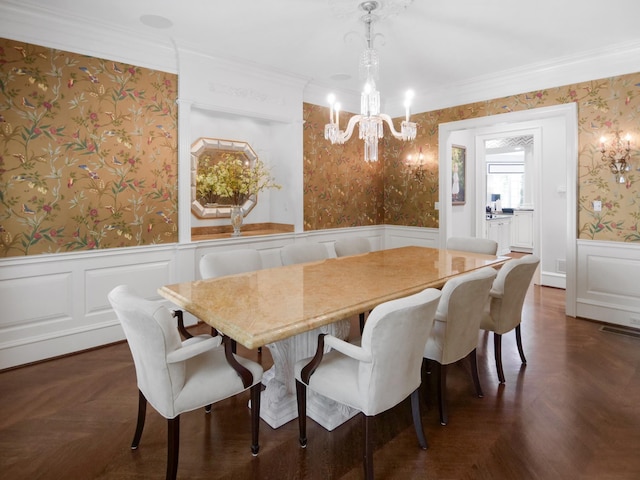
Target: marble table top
[(265, 306)]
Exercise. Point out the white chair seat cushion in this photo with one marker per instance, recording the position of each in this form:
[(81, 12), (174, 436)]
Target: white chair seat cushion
[(209, 379), (336, 378)]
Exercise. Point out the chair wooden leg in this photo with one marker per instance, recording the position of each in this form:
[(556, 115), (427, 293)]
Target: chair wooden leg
[(368, 447), (426, 381), (301, 397), (474, 373), (417, 418), (497, 351), (173, 446), (142, 411), (442, 393), (255, 418), (519, 343)]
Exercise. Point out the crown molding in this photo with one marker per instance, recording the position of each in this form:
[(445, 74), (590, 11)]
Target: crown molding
[(70, 33), (591, 65)]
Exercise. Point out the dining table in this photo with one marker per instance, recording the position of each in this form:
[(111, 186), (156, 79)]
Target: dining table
[(285, 308)]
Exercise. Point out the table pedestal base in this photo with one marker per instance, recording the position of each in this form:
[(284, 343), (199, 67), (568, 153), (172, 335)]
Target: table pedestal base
[(278, 403)]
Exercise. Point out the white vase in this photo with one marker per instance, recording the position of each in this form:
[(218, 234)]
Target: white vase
[(237, 216)]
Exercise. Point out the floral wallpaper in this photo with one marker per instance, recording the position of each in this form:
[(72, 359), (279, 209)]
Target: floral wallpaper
[(408, 193), (88, 152), (340, 188)]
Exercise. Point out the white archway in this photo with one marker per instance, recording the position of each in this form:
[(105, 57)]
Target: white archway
[(567, 116)]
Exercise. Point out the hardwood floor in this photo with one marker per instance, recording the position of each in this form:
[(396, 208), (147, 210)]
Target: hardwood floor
[(572, 413)]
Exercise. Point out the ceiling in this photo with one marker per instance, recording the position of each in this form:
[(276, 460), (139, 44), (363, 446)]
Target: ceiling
[(426, 45)]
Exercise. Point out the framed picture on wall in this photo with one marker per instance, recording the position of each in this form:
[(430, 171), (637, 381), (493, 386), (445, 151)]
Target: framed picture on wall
[(458, 177)]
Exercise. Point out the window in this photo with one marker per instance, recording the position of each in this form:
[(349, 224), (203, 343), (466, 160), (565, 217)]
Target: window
[(506, 180)]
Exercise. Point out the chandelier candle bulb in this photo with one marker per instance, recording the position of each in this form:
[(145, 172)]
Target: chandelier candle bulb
[(331, 99)]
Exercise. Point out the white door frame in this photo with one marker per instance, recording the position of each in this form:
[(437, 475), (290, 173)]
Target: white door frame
[(569, 113)]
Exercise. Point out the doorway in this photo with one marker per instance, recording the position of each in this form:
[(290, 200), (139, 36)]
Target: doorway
[(555, 241)]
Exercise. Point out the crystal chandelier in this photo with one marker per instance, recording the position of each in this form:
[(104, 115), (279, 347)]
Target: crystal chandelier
[(370, 120), (617, 156)]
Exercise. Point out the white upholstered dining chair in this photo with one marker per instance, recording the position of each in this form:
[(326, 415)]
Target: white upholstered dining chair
[(175, 376), (231, 262), (473, 244), (504, 310), (353, 246), (303, 252), (455, 331), (377, 374)]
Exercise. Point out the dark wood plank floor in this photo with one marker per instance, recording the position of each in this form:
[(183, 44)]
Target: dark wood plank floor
[(572, 413)]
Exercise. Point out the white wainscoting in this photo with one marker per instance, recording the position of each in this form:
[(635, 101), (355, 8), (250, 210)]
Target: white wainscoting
[(608, 282), (57, 304)]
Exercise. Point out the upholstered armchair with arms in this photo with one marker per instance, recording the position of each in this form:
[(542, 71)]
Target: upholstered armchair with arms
[(353, 246), (175, 376), (504, 310), (473, 244), (377, 374), (455, 331), (303, 252), (230, 262)]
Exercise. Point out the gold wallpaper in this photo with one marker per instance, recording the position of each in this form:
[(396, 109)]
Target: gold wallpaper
[(88, 157), (340, 188), (407, 195), (88, 152)]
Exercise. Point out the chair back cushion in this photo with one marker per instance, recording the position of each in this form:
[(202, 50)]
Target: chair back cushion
[(473, 244), (508, 293), (151, 334), (395, 333), (232, 262), (455, 331), (352, 246), (303, 252)]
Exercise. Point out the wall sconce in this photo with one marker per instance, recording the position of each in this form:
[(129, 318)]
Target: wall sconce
[(617, 155), (416, 163)]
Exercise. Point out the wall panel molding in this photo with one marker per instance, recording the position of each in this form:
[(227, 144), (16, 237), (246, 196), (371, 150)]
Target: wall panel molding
[(72, 312), (608, 289)]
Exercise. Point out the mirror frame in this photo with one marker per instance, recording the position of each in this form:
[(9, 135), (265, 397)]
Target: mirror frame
[(199, 148)]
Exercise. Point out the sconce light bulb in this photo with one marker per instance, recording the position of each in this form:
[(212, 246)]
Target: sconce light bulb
[(409, 95), (331, 99)]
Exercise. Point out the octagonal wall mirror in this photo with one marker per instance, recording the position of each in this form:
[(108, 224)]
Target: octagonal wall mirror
[(206, 152)]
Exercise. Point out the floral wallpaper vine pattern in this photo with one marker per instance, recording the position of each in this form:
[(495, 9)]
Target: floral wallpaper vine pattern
[(604, 107), (340, 188), (88, 152)]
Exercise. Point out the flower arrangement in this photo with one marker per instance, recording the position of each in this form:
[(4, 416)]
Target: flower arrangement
[(231, 180)]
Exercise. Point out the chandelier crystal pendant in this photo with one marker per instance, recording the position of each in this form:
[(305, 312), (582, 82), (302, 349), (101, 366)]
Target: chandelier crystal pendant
[(618, 155), (370, 120)]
